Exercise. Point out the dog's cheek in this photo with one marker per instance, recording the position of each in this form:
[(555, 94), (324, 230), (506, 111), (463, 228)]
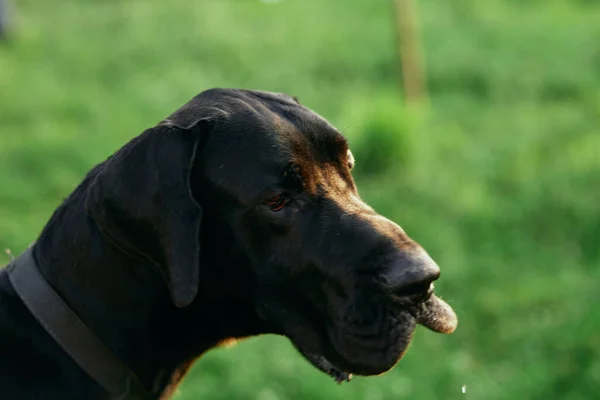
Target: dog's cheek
[(279, 227), (252, 236)]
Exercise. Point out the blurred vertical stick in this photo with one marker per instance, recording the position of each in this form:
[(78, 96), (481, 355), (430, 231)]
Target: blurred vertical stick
[(410, 51)]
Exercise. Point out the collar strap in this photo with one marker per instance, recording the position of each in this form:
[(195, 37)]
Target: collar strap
[(75, 338)]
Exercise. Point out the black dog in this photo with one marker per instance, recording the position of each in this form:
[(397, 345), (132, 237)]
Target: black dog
[(235, 216)]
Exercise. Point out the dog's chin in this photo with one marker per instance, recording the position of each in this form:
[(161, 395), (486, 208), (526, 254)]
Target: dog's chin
[(372, 357), (343, 353)]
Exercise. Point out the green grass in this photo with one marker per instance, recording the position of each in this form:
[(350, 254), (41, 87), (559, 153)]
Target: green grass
[(499, 177)]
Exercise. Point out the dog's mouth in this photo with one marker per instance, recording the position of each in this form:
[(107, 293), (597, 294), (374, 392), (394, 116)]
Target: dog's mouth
[(344, 356)]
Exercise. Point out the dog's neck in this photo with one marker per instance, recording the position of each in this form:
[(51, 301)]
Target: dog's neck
[(126, 304)]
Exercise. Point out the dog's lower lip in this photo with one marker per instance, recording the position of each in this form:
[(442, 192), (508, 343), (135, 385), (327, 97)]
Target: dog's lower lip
[(328, 367), (437, 315)]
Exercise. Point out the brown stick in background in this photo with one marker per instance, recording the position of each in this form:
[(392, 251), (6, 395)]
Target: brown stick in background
[(410, 51)]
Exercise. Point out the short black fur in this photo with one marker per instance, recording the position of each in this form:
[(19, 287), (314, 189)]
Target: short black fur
[(167, 249)]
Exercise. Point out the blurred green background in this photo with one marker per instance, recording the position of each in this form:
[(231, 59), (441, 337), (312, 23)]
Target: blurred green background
[(498, 176)]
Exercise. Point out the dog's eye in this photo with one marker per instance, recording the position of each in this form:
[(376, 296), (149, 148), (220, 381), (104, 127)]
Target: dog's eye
[(277, 203)]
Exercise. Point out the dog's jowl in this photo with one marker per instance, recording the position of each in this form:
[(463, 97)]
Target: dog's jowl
[(235, 216)]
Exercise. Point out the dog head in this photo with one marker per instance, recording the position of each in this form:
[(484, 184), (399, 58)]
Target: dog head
[(255, 182)]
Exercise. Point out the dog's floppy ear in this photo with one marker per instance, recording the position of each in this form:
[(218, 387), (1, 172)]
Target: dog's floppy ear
[(142, 201)]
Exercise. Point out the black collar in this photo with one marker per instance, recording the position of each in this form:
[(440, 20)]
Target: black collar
[(75, 338)]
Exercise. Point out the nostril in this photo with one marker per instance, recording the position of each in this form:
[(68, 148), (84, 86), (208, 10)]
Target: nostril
[(412, 276), (418, 285)]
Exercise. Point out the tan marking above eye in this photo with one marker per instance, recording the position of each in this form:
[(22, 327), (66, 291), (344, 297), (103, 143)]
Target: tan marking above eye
[(350, 159)]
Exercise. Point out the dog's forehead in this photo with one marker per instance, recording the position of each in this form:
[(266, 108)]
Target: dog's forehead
[(261, 136)]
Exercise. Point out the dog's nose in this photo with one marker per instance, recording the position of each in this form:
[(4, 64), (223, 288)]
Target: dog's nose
[(411, 274)]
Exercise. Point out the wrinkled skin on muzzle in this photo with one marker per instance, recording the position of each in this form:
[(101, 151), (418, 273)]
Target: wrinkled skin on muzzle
[(346, 285)]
